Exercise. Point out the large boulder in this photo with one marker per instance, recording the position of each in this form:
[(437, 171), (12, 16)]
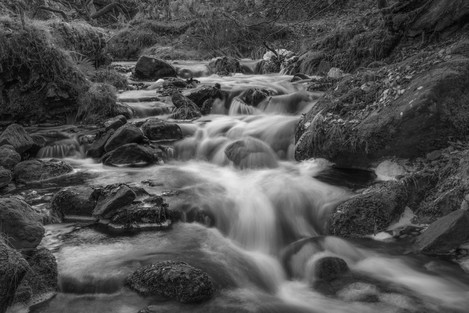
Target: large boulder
[(39, 170), (370, 212), (9, 157), (152, 68), (224, 66), (5, 177), (13, 267), (445, 234), (128, 133), (20, 223), (16, 136), (156, 129), (408, 120), (131, 154), (41, 279), (114, 198), (174, 280), (77, 200), (249, 153)]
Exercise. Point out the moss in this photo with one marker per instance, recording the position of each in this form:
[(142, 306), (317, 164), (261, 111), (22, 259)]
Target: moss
[(111, 77), (39, 80)]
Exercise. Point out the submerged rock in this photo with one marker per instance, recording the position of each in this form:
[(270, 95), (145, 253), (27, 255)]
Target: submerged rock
[(156, 129), (16, 136), (39, 170), (77, 200), (174, 280), (126, 134), (370, 212), (20, 223), (250, 153), (330, 268), (131, 154), (9, 157), (445, 234), (152, 68), (13, 268)]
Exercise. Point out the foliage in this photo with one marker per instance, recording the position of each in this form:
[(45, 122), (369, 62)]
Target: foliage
[(97, 104)]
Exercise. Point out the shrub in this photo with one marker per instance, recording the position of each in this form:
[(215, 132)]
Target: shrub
[(97, 104)]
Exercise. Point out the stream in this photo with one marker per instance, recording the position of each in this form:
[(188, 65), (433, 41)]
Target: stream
[(253, 216)]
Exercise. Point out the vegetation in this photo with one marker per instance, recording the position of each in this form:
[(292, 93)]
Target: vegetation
[(98, 104)]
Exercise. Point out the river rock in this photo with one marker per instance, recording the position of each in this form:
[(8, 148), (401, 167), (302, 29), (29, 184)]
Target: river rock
[(224, 66), (77, 200), (152, 68), (41, 279), (20, 223), (39, 170), (115, 199), (370, 212), (16, 136), (13, 268), (445, 234), (174, 280), (126, 134), (9, 157), (203, 93), (251, 153), (115, 122), (96, 150), (185, 108), (5, 177), (131, 154), (330, 268), (156, 129), (254, 96)]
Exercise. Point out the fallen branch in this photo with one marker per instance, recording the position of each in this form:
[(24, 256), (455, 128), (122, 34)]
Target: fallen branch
[(62, 13), (270, 49)]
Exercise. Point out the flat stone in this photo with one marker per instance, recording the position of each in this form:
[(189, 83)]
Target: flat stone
[(116, 199), (445, 234)]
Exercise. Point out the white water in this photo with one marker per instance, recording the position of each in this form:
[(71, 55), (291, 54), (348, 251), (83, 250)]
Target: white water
[(254, 214)]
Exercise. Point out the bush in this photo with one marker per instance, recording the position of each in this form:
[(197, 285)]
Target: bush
[(39, 80), (97, 104), (111, 77)]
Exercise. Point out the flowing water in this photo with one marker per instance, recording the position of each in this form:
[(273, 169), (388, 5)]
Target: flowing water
[(263, 227)]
